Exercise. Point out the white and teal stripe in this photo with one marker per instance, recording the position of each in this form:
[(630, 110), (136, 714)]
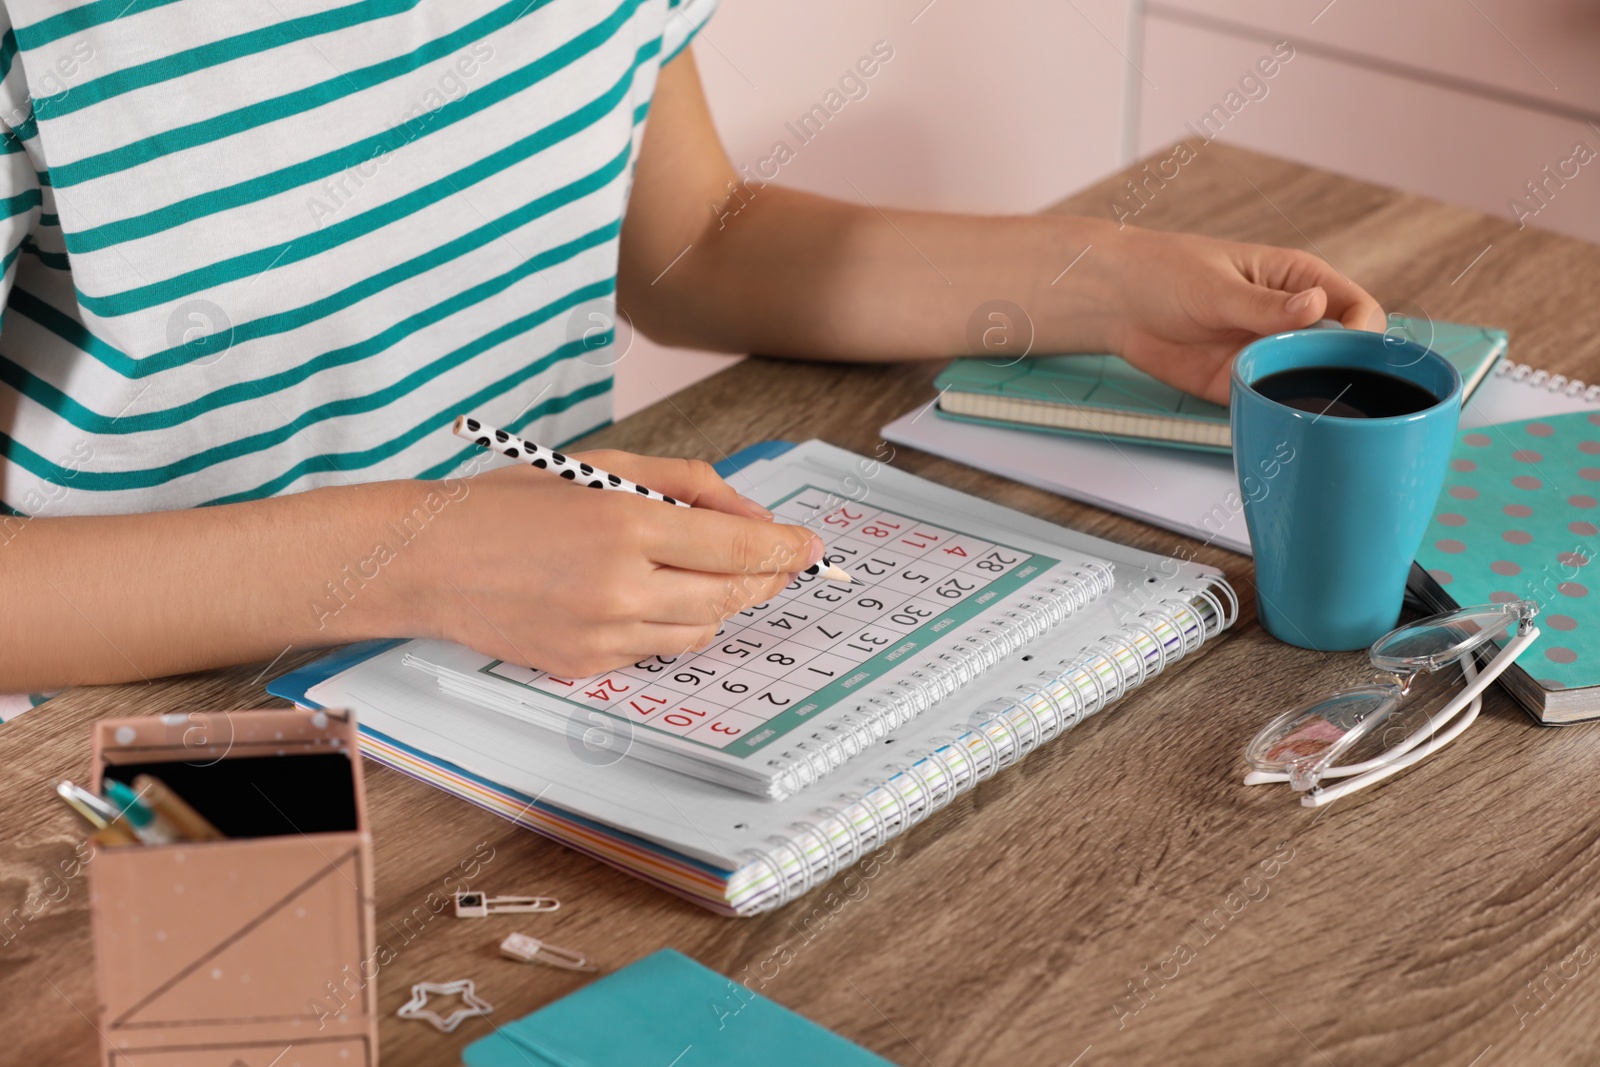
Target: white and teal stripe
[(251, 249)]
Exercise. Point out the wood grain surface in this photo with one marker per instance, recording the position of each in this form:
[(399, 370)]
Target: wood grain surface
[(1445, 917)]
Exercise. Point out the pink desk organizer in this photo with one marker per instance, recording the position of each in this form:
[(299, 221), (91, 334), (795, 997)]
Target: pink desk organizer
[(256, 949)]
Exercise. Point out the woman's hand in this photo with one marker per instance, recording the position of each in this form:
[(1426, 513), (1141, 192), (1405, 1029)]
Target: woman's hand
[(531, 569), (1182, 305)]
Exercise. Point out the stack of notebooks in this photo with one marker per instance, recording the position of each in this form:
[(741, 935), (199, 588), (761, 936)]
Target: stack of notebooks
[(1105, 397), (818, 725), (1518, 516)]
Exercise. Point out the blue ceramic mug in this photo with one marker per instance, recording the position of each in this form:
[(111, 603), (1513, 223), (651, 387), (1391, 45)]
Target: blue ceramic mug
[(1337, 505)]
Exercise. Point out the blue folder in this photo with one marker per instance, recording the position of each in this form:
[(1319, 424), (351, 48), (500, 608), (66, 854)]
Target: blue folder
[(665, 1009)]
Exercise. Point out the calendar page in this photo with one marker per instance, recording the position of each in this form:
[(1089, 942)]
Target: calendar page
[(775, 667)]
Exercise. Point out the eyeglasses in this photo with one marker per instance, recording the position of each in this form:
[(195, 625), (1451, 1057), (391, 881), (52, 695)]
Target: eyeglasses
[(1301, 747)]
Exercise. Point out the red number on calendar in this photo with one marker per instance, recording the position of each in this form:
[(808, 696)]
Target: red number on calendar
[(842, 517), (636, 706), (606, 689), (919, 539), (724, 728), (684, 716), (956, 550), (873, 529)]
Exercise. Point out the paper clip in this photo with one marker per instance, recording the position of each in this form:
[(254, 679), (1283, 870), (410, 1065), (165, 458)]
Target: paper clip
[(525, 949), (473, 905), (417, 1006)]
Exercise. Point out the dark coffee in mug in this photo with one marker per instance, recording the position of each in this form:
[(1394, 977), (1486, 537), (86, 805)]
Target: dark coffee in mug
[(1345, 392)]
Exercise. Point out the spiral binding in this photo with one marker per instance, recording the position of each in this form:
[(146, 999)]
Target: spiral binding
[(1554, 383), (998, 734), (818, 754)]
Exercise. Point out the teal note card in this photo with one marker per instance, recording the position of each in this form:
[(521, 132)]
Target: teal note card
[(665, 1009), (1519, 518)]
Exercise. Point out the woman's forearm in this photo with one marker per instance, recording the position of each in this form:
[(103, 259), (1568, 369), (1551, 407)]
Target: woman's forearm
[(131, 597), (788, 273)]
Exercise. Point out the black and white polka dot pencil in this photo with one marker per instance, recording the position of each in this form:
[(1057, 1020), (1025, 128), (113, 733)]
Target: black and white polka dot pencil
[(509, 444)]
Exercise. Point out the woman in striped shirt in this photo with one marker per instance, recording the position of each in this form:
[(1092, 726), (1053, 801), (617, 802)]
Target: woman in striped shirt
[(257, 259)]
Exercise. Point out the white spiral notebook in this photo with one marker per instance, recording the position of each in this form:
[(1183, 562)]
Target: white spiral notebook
[(1063, 657)]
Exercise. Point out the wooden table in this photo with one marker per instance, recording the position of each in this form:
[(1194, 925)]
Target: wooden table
[(1407, 924)]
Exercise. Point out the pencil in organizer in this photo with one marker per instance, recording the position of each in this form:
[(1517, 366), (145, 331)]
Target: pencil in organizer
[(509, 444)]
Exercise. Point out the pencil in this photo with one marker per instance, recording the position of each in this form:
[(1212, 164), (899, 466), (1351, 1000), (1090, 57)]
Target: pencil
[(190, 824), (579, 473)]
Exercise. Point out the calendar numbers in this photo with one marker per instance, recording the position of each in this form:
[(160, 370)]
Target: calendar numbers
[(653, 665), (995, 562), (822, 634), (906, 616), (955, 588), (780, 661), (916, 578), (801, 581), (640, 706), (790, 619), (690, 675), (842, 554), (684, 716), (773, 699), (959, 550), (727, 727), (736, 649), (845, 517), (561, 687), (755, 613), (781, 655), (604, 692)]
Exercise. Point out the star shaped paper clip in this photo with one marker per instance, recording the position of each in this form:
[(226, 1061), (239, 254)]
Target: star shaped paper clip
[(417, 1006)]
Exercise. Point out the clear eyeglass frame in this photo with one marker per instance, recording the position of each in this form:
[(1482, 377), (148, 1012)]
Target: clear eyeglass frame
[(1304, 746)]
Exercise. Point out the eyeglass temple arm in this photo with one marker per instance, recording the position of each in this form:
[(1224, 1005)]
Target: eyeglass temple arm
[(1389, 761), (1411, 751)]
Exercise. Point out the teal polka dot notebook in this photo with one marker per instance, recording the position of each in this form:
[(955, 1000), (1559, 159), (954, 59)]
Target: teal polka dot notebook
[(1518, 519)]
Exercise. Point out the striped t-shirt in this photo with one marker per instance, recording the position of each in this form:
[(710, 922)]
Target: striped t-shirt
[(254, 248)]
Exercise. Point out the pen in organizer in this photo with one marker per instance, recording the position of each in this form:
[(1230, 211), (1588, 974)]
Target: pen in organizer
[(101, 816), (509, 444), (149, 827)]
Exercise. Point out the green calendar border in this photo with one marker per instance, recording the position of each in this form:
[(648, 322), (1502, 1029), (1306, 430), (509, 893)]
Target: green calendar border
[(924, 636)]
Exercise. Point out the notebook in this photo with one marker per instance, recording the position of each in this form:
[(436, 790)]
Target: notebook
[(1191, 493), (792, 688), (1518, 520), (739, 854), (663, 1010), (1106, 397)]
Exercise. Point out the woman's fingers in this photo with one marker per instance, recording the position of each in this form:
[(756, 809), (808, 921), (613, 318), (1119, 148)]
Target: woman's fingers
[(669, 639), (1294, 271), (692, 598), (716, 543), (692, 481)]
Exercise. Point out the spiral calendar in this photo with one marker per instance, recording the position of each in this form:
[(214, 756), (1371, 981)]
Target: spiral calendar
[(791, 688)]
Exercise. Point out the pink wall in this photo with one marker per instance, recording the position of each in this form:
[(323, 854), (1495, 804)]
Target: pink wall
[(1464, 102), (984, 107)]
